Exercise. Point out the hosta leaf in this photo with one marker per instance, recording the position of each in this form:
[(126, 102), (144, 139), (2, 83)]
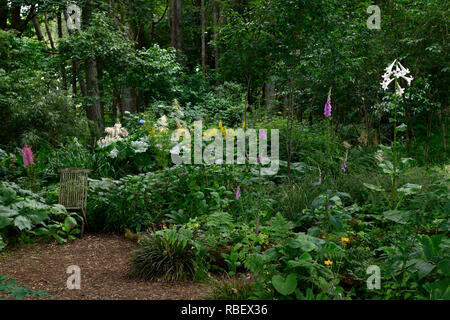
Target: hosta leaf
[(402, 127), (7, 195), (38, 216), (59, 238), (336, 222), (397, 216), (384, 148), (372, 187), (318, 202), (7, 212), (5, 222), (335, 200), (70, 222), (423, 268), (410, 188), (302, 243), (285, 286), (22, 223), (387, 167), (2, 244), (58, 209), (406, 160), (427, 246), (444, 266)]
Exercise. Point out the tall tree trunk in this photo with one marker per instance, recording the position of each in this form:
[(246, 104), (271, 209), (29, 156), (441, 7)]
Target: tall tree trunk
[(16, 21), (290, 131), (429, 127), (154, 23), (176, 32), (60, 36), (203, 22), (442, 119), (269, 94), (15, 17), (100, 86), (37, 28), (216, 26), (128, 103), (93, 110), (76, 68), (127, 95), (49, 33), (3, 14), (366, 123)]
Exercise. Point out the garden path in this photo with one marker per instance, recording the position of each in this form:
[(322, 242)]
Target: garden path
[(103, 261)]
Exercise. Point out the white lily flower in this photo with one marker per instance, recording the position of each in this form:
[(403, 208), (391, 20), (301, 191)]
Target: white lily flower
[(385, 84), (389, 69), (409, 79), (400, 72), (400, 90), (406, 70)]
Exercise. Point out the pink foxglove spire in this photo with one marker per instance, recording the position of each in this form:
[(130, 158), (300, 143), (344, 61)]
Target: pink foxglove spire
[(27, 155)]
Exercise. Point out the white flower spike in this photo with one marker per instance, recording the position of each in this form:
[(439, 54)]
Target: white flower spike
[(390, 75)]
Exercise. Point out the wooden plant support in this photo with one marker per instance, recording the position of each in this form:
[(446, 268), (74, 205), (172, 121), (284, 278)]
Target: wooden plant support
[(73, 191)]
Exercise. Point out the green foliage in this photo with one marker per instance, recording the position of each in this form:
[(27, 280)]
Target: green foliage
[(308, 232), (135, 202), (232, 288), (32, 108), (24, 214), (168, 254), (288, 270), (17, 292)]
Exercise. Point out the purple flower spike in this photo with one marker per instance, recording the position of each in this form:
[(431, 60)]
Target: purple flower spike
[(238, 194), (329, 206), (320, 180), (27, 155), (262, 134), (327, 110), (343, 168)]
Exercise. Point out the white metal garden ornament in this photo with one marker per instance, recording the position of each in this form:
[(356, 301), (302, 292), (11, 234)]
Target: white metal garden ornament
[(396, 71)]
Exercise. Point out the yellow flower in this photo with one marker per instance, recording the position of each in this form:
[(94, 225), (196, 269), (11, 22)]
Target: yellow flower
[(345, 239), (328, 262), (211, 132), (192, 248), (220, 124), (153, 130)]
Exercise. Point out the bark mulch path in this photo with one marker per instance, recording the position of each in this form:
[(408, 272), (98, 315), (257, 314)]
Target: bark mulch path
[(103, 262)]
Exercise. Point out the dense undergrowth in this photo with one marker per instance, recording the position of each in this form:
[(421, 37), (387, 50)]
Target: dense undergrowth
[(312, 235), (359, 206)]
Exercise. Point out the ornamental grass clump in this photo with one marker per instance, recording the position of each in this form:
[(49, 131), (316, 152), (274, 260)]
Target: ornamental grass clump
[(167, 255)]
